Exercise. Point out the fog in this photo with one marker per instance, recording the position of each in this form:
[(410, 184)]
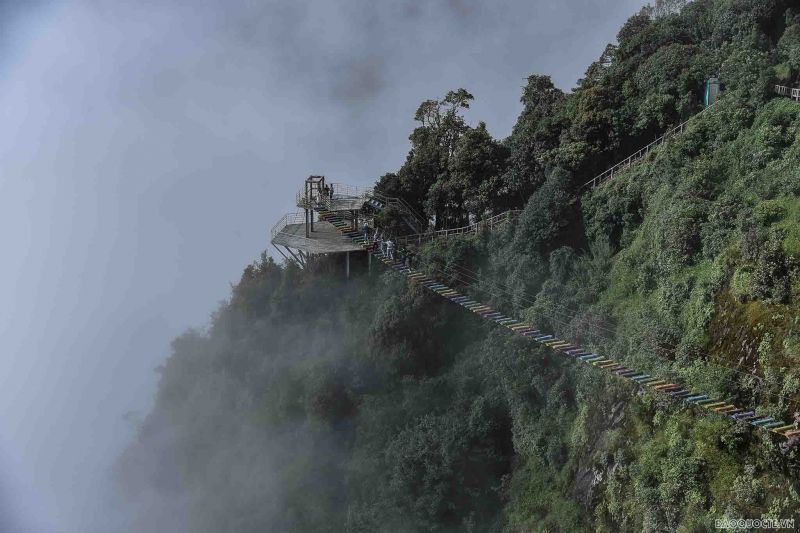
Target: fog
[(147, 147)]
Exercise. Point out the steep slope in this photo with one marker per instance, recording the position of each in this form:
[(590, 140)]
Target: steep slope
[(309, 404)]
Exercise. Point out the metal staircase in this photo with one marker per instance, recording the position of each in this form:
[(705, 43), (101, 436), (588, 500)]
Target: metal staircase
[(379, 201), (353, 197)]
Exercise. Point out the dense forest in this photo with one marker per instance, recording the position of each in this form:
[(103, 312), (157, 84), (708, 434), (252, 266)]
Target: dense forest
[(314, 404)]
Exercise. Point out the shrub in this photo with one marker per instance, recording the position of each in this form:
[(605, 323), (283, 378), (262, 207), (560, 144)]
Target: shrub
[(771, 273), (751, 244), (769, 211), (562, 262), (679, 235), (741, 283)]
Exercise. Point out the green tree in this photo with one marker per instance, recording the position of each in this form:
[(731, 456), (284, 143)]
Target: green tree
[(535, 134), (432, 145)]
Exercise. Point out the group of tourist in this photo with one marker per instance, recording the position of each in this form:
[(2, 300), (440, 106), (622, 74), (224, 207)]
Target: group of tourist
[(325, 191), (386, 245)]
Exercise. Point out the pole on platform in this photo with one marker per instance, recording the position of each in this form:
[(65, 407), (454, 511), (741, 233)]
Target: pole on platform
[(369, 261), (347, 264)]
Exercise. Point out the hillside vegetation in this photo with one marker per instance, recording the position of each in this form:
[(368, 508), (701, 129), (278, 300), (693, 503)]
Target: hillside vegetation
[(311, 404)]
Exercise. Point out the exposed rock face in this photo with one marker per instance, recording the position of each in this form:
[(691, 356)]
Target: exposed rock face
[(598, 463)]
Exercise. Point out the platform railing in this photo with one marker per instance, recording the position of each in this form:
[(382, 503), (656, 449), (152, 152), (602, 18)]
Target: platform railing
[(345, 191), (289, 218), (341, 191), (285, 220), (298, 240), (279, 228)]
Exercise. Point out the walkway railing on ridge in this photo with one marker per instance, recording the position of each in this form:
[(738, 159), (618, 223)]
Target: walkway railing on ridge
[(792, 93), (603, 177), (639, 154), (491, 223)]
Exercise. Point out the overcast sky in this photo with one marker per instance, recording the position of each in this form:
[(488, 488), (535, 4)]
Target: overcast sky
[(146, 148)]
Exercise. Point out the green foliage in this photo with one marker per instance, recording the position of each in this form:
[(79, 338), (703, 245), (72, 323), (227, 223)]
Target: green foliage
[(432, 145), (742, 283), (535, 135), (771, 272), (769, 211), (789, 54), (474, 170)]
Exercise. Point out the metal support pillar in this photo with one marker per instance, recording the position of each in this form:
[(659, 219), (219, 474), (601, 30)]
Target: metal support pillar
[(283, 254), (296, 258), (306, 202), (347, 265), (369, 261), (312, 183)]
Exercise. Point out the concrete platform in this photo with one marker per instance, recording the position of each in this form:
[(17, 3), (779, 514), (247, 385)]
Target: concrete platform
[(323, 240)]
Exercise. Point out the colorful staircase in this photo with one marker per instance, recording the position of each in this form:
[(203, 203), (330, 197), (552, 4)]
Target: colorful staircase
[(674, 391)]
